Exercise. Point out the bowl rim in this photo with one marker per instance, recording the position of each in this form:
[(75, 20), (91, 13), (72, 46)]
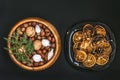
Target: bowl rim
[(57, 38)]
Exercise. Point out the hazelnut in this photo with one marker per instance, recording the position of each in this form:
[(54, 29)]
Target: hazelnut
[(46, 30), (39, 51), (42, 55), (29, 24), (39, 37), (47, 34), (53, 40), (37, 44), (44, 51), (51, 35), (23, 29), (34, 23), (40, 25), (42, 33), (30, 31), (49, 38), (19, 31), (25, 25), (44, 27), (53, 45), (36, 64), (41, 63)]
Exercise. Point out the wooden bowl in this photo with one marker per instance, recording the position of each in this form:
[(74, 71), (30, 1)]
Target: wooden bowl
[(57, 48)]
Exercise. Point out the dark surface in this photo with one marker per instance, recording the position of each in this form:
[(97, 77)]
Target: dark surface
[(62, 14)]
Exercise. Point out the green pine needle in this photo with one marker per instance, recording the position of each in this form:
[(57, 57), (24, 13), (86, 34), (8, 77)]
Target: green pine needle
[(17, 42)]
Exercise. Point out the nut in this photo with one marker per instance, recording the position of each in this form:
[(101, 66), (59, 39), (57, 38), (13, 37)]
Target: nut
[(44, 51), (23, 29), (33, 23), (19, 31), (36, 64), (47, 34), (53, 45), (25, 25), (41, 63), (37, 44), (42, 34), (46, 30), (30, 31), (49, 38), (53, 40), (40, 25)]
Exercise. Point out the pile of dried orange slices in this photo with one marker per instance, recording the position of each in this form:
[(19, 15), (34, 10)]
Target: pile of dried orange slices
[(90, 46)]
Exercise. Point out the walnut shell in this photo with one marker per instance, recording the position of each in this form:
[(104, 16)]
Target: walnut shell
[(37, 44), (30, 31)]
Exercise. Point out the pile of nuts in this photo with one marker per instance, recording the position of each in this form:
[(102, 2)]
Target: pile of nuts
[(91, 47), (43, 41)]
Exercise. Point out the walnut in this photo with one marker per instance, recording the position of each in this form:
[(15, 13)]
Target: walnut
[(30, 31), (37, 44)]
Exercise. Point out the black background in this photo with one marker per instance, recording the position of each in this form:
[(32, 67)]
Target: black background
[(62, 14)]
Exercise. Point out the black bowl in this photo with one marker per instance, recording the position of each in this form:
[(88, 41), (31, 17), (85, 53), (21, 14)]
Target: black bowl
[(69, 43)]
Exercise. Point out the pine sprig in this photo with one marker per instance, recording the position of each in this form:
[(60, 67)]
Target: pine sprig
[(16, 42)]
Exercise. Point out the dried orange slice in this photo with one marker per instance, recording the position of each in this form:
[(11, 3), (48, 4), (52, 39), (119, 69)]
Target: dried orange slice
[(85, 44), (76, 46), (88, 30), (100, 30), (90, 61), (80, 56), (102, 60), (107, 48), (77, 36), (90, 48)]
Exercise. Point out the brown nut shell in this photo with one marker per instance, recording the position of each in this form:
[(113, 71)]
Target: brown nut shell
[(30, 31), (37, 44)]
